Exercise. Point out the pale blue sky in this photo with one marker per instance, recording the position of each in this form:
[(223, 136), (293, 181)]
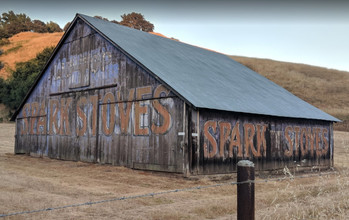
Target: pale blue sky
[(308, 31)]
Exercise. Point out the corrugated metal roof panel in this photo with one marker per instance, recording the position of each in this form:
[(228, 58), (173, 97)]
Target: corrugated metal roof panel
[(205, 78)]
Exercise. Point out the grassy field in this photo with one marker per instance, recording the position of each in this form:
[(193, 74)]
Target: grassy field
[(326, 89), (28, 183)]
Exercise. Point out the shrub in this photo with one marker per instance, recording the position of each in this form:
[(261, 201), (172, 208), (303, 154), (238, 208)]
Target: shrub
[(4, 41), (13, 90)]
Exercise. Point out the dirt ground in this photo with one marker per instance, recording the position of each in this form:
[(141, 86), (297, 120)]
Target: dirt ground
[(28, 183)]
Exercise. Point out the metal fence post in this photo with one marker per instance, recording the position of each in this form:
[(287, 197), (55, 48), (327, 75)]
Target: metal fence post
[(245, 191)]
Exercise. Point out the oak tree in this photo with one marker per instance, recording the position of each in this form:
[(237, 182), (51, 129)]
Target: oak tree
[(136, 21)]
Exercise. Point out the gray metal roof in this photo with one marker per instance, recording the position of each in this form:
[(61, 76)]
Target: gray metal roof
[(205, 78)]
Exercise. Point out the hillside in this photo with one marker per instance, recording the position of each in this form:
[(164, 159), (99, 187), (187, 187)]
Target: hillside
[(326, 89), (24, 46)]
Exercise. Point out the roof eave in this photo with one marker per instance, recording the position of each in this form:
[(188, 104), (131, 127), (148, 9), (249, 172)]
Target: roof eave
[(335, 120)]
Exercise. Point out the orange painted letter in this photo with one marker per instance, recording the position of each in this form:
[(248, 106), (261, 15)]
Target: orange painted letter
[(208, 136), (65, 116), (81, 115), (261, 142), (94, 101), (235, 141), (296, 142), (54, 105), (289, 152), (141, 110), (108, 102), (249, 134), (317, 142), (166, 124), (311, 138), (125, 116), (224, 132), (304, 144), (42, 119)]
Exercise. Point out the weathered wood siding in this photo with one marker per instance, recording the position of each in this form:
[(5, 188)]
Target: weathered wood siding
[(94, 104), (270, 142)]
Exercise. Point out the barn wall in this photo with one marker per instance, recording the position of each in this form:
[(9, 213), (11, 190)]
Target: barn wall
[(94, 104), (270, 142)]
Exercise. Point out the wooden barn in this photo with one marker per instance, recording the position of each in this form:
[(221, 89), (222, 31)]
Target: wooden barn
[(114, 95)]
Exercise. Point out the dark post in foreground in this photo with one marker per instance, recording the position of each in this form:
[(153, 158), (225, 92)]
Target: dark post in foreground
[(245, 191)]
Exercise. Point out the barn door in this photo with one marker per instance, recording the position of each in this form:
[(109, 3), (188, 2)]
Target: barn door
[(86, 136), (72, 126)]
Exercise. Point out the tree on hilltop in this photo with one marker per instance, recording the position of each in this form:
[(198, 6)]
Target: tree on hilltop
[(105, 19), (11, 24), (66, 26), (132, 20), (100, 17), (39, 26), (53, 27), (136, 21)]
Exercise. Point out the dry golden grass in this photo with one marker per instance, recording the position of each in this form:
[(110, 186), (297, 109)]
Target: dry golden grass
[(326, 89), (24, 46), (158, 34), (28, 183)]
